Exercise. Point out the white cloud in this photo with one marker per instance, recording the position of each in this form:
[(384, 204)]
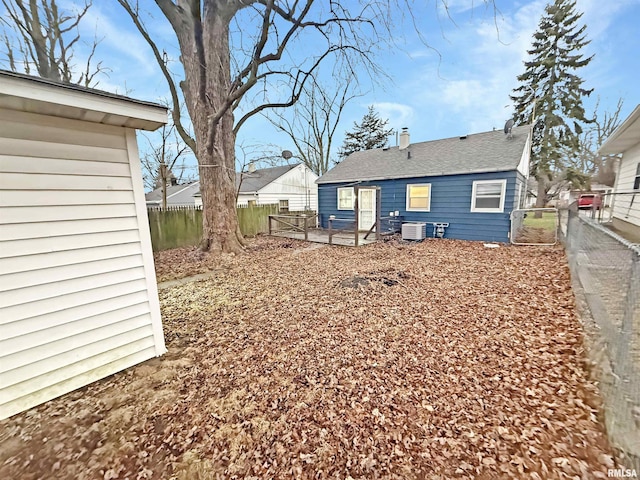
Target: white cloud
[(469, 91), (456, 6), (399, 115), (599, 15), (119, 39)]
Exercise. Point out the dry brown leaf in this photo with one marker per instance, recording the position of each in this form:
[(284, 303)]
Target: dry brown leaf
[(450, 360)]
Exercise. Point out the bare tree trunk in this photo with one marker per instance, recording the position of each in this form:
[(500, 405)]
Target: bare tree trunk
[(542, 193), (220, 228), (203, 35), (541, 196), (205, 91), (163, 185)]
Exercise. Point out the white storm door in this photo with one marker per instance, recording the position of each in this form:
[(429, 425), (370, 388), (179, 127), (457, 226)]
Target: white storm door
[(366, 208)]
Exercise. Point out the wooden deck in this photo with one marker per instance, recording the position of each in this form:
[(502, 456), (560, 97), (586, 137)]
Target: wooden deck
[(322, 236)]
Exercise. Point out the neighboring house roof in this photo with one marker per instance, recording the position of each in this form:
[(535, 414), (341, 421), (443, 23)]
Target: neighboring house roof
[(625, 136), (176, 194), (476, 153), (255, 181)]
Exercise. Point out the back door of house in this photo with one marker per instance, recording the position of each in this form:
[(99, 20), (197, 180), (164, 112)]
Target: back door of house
[(366, 208)]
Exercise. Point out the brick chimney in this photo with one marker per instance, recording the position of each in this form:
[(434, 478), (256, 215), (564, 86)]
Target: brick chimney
[(404, 138)]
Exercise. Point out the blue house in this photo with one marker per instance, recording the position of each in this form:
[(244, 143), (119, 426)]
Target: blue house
[(471, 182)]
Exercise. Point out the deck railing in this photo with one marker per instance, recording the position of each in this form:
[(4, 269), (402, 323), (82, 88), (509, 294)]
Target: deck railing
[(292, 223), (350, 227)]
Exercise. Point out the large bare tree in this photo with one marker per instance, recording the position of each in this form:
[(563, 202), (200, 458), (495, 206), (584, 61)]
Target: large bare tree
[(313, 121), (40, 38), (216, 80), (248, 56)]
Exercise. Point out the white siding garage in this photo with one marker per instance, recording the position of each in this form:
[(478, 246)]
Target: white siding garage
[(626, 140), (78, 294)]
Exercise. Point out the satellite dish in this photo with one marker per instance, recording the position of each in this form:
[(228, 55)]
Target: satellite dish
[(286, 154), (508, 127)]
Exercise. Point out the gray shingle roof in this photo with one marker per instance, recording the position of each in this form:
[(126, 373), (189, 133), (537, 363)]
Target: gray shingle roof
[(176, 194), (479, 152), (252, 182)]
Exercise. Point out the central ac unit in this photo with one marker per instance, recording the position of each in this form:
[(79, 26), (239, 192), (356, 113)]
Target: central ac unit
[(414, 231)]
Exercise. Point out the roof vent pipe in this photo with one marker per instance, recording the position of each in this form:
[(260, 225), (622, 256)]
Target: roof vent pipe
[(404, 138)]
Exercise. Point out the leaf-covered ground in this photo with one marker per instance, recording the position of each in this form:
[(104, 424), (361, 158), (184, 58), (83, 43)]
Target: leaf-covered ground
[(182, 262), (437, 360)]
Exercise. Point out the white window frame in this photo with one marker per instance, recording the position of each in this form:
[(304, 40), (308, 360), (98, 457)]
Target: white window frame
[(351, 193), (409, 209), (503, 192)]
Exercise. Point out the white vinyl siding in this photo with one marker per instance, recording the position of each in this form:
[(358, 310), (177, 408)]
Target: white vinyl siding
[(297, 186), (75, 297), (419, 197), (487, 196), (626, 206), (345, 198)]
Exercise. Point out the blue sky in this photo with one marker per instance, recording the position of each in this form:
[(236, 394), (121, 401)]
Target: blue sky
[(458, 84)]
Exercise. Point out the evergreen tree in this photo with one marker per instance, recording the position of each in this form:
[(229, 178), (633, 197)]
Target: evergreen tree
[(550, 87), (372, 132)]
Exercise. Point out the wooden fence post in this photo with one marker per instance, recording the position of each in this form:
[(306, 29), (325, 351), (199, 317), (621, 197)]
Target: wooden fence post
[(356, 190), (306, 227), (330, 231), (270, 231), (378, 212)]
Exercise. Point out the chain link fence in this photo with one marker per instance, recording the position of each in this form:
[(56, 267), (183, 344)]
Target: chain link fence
[(626, 206), (534, 226), (605, 269)]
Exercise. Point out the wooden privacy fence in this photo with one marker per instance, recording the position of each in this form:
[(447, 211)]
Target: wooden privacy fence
[(175, 227), (255, 219), (182, 226)]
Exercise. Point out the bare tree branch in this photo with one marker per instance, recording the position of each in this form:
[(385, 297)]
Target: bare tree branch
[(38, 34), (312, 124), (175, 100), (587, 163), (169, 151)]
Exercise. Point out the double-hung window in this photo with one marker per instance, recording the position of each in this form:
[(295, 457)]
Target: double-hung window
[(419, 197), (487, 196), (345, 198), (636, 182)]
